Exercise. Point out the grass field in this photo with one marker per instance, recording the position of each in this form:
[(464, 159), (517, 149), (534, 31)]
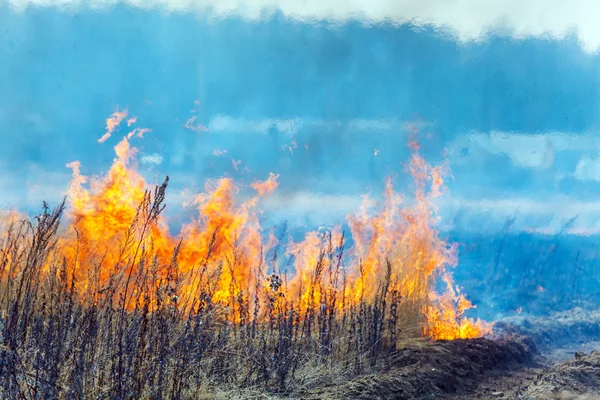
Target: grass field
[(109, 305)]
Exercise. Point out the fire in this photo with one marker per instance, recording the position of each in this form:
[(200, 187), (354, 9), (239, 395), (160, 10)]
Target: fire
[(113, 122), (117, 242), (9, 217), (405, 237), (226, 239), (317, 275), (101, 222)]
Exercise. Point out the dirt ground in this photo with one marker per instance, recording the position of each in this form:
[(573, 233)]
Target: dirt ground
[(439, 370), (566, 365), (529, 358), (546, 378), (576, 378)]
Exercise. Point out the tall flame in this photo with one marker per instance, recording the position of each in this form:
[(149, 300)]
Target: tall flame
[(116, 235)]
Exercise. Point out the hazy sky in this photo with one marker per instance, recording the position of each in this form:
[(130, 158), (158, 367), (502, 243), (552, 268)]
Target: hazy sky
[(321, 92)]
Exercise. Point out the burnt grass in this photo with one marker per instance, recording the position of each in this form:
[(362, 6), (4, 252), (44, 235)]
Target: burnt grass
[(56, 343), (433, 370), (574, 379), (129, 336), (456, 369)]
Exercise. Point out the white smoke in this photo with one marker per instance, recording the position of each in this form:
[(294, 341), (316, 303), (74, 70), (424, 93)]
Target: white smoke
[(467, 19)]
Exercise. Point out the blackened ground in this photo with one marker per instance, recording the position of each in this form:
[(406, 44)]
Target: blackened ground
[(528, 358), (575, 379), (565, 367), (433, 370)]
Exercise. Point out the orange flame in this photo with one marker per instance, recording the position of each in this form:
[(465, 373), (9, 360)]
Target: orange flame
[(112, 123), (266, 187), (418, 257), (221, 258)]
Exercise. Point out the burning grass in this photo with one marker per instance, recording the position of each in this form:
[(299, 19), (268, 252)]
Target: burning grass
[(112, 306)]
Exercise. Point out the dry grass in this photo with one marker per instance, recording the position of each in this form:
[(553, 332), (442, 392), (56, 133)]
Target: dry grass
[(575, 396), (578, 378), (132, 337)]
